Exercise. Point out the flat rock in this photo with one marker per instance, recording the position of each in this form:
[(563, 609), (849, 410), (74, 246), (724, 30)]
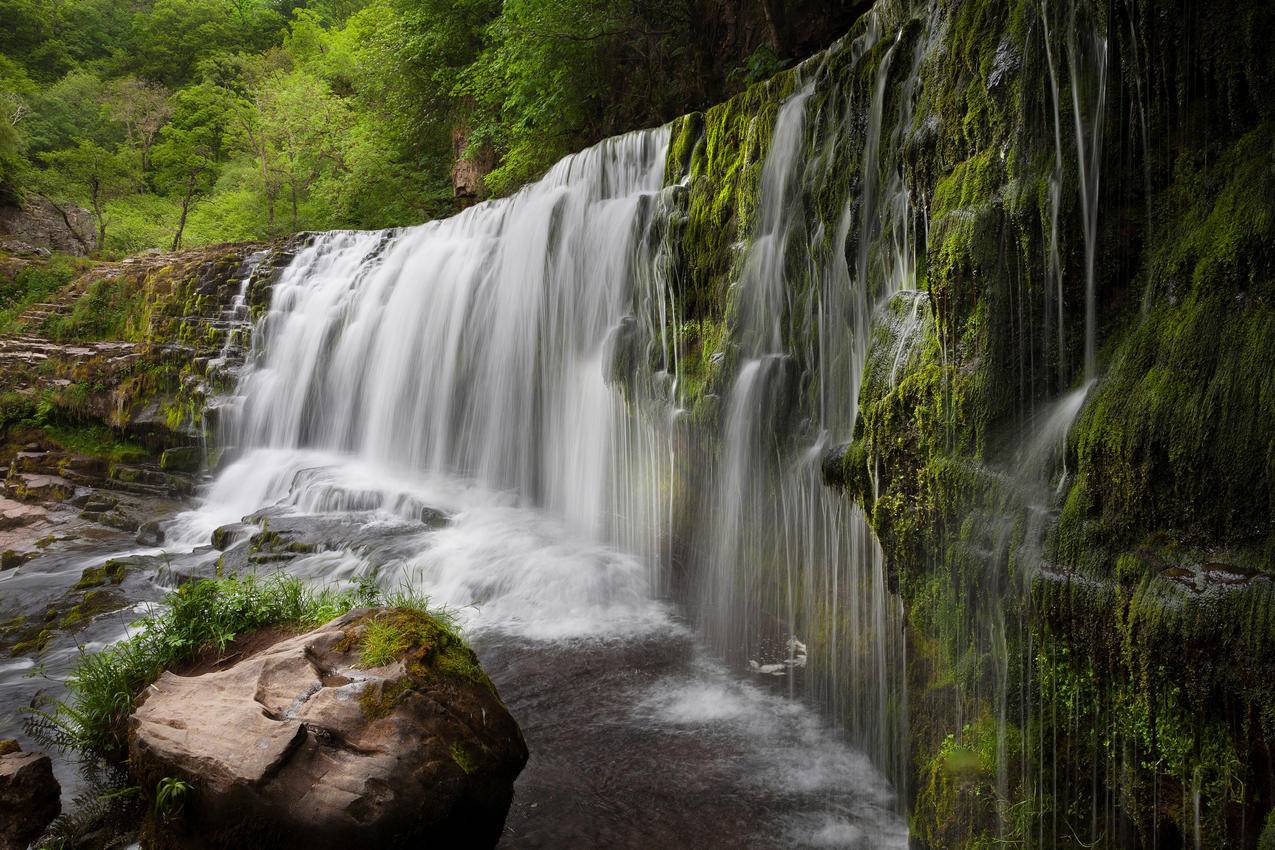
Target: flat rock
[(299, 746), (17, 514)]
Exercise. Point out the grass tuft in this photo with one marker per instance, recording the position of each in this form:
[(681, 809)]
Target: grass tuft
[(92, 722)]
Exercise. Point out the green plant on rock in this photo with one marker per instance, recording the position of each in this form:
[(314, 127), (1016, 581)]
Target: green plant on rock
[(92, 721), (170, 796)]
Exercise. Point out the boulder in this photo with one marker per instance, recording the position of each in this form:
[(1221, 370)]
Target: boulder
[(150, 534), (377, 729), (30, 797)]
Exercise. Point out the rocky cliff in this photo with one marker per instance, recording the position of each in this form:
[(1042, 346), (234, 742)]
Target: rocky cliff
[(1063, 437)]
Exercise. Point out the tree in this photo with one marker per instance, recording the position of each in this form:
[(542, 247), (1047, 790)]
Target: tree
[(192, 146), (143, 108), (306, 128), (90, 173)]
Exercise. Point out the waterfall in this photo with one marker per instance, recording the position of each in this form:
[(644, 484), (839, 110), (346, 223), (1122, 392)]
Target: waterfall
[(511, 366), (482, 346)]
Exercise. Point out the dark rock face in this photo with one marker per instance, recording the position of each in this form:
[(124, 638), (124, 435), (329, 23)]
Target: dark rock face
[(30, 798), (305, 745), (40, 225)]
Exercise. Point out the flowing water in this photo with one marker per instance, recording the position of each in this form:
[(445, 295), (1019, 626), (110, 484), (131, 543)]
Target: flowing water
[(489, 409), (505, 368)]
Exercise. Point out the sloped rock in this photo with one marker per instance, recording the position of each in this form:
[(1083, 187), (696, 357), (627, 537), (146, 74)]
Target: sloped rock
[(302, 746), (182, 459), (41, 226), (30, 797)]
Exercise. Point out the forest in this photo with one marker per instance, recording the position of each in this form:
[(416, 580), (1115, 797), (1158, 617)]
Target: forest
[(187, 122)]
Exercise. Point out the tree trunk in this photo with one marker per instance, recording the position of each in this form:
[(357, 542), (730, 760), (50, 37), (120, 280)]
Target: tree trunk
[(294, 207), (774, 13), (101, 218), (266, 188), (181, 222)]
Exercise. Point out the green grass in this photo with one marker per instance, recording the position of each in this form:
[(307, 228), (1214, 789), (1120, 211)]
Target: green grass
[(92, 722), (35, 284), (95, 441), (109, 309)]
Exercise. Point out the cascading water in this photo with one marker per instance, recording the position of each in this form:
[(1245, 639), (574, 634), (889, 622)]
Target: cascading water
[(795, 581), (507, 367)]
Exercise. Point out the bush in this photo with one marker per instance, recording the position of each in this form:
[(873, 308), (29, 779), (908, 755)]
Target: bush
[(92, 722)]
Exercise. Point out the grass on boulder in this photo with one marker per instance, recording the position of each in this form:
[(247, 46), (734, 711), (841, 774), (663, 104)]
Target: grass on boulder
[(92, 722)]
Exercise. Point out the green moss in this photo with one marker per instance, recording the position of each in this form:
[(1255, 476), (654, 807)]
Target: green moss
[(727, 147), (463, 759), (111, 572), (378, 699), (427, 646), (1177, 436), (96, 441)]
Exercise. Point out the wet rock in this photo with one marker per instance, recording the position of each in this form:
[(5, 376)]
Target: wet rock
[(29, 487), (150, 534), (434, 518), (182, 459), (16, 514), (30, 797), (111, 572), (99, 503), (12, 559), (302, 745), (121, 520), (228, 535)]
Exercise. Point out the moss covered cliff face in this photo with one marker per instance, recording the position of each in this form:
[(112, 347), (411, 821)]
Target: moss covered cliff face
[(100, 357), (1064, 431)]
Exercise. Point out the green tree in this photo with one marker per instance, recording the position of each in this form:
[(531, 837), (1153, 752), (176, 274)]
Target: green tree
[(172, 36), (143, 108), (306, 129), (192, 146), (71, 109), (91, 174)]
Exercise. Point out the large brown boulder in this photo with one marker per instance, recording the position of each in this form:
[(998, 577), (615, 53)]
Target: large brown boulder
[(30, 797), (378, 729)]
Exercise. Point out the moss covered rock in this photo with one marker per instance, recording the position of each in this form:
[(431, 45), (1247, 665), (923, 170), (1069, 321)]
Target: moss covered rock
[(377, 728)]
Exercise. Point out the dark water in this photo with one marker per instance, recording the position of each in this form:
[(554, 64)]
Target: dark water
[(637, 738)]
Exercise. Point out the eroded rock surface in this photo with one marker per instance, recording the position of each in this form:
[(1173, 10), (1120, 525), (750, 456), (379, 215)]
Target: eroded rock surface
[(304, 745)]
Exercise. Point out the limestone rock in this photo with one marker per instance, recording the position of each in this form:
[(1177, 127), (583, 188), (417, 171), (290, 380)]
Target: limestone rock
[(39, 226), (30, 797), (182, 459), (301, 745)]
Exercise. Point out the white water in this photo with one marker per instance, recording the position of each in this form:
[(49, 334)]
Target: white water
[(507, 367), (474, 348)]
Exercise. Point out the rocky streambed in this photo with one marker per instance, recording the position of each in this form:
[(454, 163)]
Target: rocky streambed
[(636, 737)]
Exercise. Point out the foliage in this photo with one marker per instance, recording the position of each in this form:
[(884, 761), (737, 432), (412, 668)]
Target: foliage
[(35, 283), (246, 119), (92, 722), (170, 796)]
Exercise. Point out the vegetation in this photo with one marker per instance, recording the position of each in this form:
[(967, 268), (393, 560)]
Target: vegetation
[(92, 722), (34, 283), (190, 121)]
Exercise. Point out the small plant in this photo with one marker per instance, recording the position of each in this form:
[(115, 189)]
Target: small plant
[(92, 722), (170, 796)]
